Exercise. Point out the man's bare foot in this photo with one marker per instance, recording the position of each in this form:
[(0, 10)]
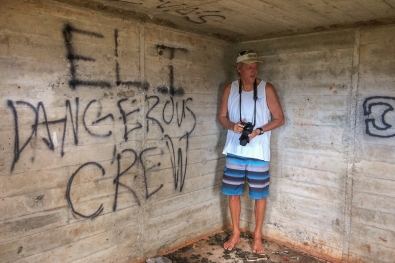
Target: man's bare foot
[(257, 246), (232, 241)]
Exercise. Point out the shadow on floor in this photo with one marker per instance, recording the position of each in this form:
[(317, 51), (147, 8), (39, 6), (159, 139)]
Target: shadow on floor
[(210, 250)]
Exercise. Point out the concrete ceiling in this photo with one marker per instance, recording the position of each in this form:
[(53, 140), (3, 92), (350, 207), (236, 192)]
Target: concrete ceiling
[(241, 20)]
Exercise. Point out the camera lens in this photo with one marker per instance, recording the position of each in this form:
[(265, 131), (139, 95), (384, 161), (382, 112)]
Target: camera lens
[(243, 142), (244, 139)]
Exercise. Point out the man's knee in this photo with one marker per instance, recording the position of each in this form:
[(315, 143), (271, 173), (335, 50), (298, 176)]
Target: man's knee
[(261, 201), (234, 197)]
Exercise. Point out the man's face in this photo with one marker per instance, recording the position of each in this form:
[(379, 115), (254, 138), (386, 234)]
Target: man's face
[(248, 72)]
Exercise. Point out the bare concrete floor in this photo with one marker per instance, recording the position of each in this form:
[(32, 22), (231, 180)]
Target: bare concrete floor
[(209, 250)]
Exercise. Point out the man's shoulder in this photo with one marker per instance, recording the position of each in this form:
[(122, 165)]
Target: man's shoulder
[(229, 85), (269, 86)]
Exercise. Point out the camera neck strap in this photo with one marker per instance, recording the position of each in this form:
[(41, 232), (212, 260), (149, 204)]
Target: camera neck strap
[(255, 98)]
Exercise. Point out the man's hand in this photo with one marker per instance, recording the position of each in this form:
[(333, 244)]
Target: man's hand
[(254, 133), (238, 127)]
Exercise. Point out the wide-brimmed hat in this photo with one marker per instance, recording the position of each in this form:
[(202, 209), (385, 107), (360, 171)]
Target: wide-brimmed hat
[(247, 57)]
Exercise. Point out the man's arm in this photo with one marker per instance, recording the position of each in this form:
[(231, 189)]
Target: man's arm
[(223, 113), (275, 109)]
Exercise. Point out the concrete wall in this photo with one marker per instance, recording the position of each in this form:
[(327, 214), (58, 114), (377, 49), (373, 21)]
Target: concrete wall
[(102, 160), (332, 170), (109, 141)]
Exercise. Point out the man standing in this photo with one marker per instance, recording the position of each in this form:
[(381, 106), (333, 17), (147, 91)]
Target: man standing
[(249, 110)]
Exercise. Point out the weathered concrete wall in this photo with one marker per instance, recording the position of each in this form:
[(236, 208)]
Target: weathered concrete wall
[(332, 190), (102, 161), (109, 142), (372, 230)]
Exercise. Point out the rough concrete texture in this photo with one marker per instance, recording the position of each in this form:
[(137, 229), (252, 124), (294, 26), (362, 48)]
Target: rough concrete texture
[(332, 180), (111, 151), (242, 20), (108, 135), (210, 250)]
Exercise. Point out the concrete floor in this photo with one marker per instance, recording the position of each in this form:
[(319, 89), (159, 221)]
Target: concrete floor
[(209, 250)]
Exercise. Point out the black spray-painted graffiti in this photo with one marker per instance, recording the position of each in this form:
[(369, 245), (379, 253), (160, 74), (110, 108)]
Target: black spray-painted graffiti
[(171, 90), (93, 114), (75, 81), (36, 124), (378, 125), (192, 14), (195, 15), (68, 32), (143, 85), (98, 211)]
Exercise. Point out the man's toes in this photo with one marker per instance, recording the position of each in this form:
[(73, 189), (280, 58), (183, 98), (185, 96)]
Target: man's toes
[(228, 247)]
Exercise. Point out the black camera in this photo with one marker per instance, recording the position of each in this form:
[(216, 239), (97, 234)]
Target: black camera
[(248, 127)]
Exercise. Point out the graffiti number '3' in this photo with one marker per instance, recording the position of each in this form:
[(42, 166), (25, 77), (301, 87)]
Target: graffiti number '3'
[(378, 123)]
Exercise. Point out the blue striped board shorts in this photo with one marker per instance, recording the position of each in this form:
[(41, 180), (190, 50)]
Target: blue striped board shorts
[(237, 168)]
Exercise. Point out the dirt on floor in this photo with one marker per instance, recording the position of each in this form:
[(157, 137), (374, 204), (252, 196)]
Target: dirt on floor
[(210, 250)]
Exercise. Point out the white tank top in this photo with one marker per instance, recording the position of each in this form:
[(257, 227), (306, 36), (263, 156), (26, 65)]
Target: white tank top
[(258, 147)]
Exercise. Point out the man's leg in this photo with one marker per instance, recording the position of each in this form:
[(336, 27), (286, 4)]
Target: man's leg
[(233, 185), (235, 208), (258, 181), (260, 208)]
